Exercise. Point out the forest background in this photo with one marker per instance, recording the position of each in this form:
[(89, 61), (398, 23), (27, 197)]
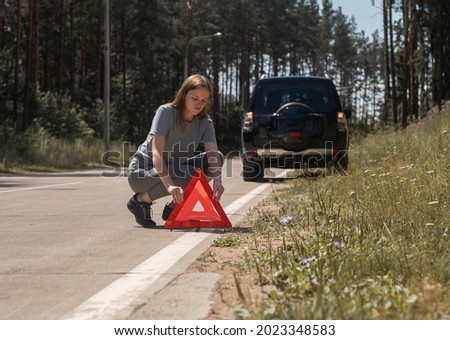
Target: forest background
[(52, 66)]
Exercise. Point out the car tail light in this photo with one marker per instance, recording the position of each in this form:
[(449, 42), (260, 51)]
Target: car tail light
[(294, 134), (248, 122), (342, 120)]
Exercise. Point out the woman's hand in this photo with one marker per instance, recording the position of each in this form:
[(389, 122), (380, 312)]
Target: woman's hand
[(218, 189), (215, 162), (177, 193)]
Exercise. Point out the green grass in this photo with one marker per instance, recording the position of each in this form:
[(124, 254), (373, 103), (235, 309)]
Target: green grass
[(371, 245), (46, 155)]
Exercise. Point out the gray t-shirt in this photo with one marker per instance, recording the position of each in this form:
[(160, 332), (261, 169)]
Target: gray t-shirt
[(181, 143)]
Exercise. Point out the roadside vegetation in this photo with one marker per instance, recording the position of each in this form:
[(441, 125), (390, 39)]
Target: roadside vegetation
[(370, 245), (37, 150)]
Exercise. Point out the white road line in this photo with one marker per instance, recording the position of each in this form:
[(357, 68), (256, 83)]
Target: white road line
[(41, 187), (122, 292)]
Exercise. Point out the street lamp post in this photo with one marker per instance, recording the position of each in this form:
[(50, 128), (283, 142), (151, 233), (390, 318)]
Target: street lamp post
[(186, 56), (106, 80)]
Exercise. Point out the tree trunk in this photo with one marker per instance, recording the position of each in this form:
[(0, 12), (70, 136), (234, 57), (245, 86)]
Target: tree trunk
[(2, 23), (73, 48), (245, 68), (60, 47), (36, 44), (440, 56), (387, 86), (216, 85), (123, 52), (414, 68), (83, 57), (17, 60), (28, 75), (406, 58), (393, 72), (99, 54)]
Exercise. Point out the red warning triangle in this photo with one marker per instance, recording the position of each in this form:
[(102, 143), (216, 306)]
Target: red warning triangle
[(198, 194), (188, 211)]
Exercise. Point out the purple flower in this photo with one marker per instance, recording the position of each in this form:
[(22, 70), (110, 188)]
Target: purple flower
[(339, 245), (306, 260), (285, 219)]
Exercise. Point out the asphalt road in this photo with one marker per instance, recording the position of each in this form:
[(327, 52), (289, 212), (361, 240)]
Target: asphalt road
[(70, 249)]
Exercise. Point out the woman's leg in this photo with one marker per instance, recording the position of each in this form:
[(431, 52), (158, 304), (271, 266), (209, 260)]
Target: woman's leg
[(149, 187), (143, 181), (208, 165), (140, 203), (148, 181)]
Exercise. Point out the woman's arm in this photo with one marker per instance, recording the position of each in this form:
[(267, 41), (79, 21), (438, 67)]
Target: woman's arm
[(215, 161), (158, 147)]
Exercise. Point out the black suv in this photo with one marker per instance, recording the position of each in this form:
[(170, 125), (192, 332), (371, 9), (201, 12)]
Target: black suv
[(294, 122)]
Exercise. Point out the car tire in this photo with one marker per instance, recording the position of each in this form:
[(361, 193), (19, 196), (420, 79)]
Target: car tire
[(252, 171), (340, 166)]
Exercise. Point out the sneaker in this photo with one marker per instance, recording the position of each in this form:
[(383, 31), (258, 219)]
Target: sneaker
[(142, 211), (167, 211)]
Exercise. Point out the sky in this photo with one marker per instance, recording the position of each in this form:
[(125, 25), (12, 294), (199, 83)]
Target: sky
[(368, 17)]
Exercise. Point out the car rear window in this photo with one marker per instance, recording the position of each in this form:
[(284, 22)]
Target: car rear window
[(316, 93)]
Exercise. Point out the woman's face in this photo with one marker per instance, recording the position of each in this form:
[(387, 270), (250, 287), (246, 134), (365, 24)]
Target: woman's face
[(196, 101)]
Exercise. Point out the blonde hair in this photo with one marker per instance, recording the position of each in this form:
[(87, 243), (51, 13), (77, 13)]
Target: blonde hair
[(192, 82)]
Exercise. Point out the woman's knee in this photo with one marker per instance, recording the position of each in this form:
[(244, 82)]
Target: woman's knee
[(213, 164), (142, 181)]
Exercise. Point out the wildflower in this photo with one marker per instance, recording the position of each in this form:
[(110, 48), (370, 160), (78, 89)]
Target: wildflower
[(285, 219), (412, 298), (306, 260), (339, 245)]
